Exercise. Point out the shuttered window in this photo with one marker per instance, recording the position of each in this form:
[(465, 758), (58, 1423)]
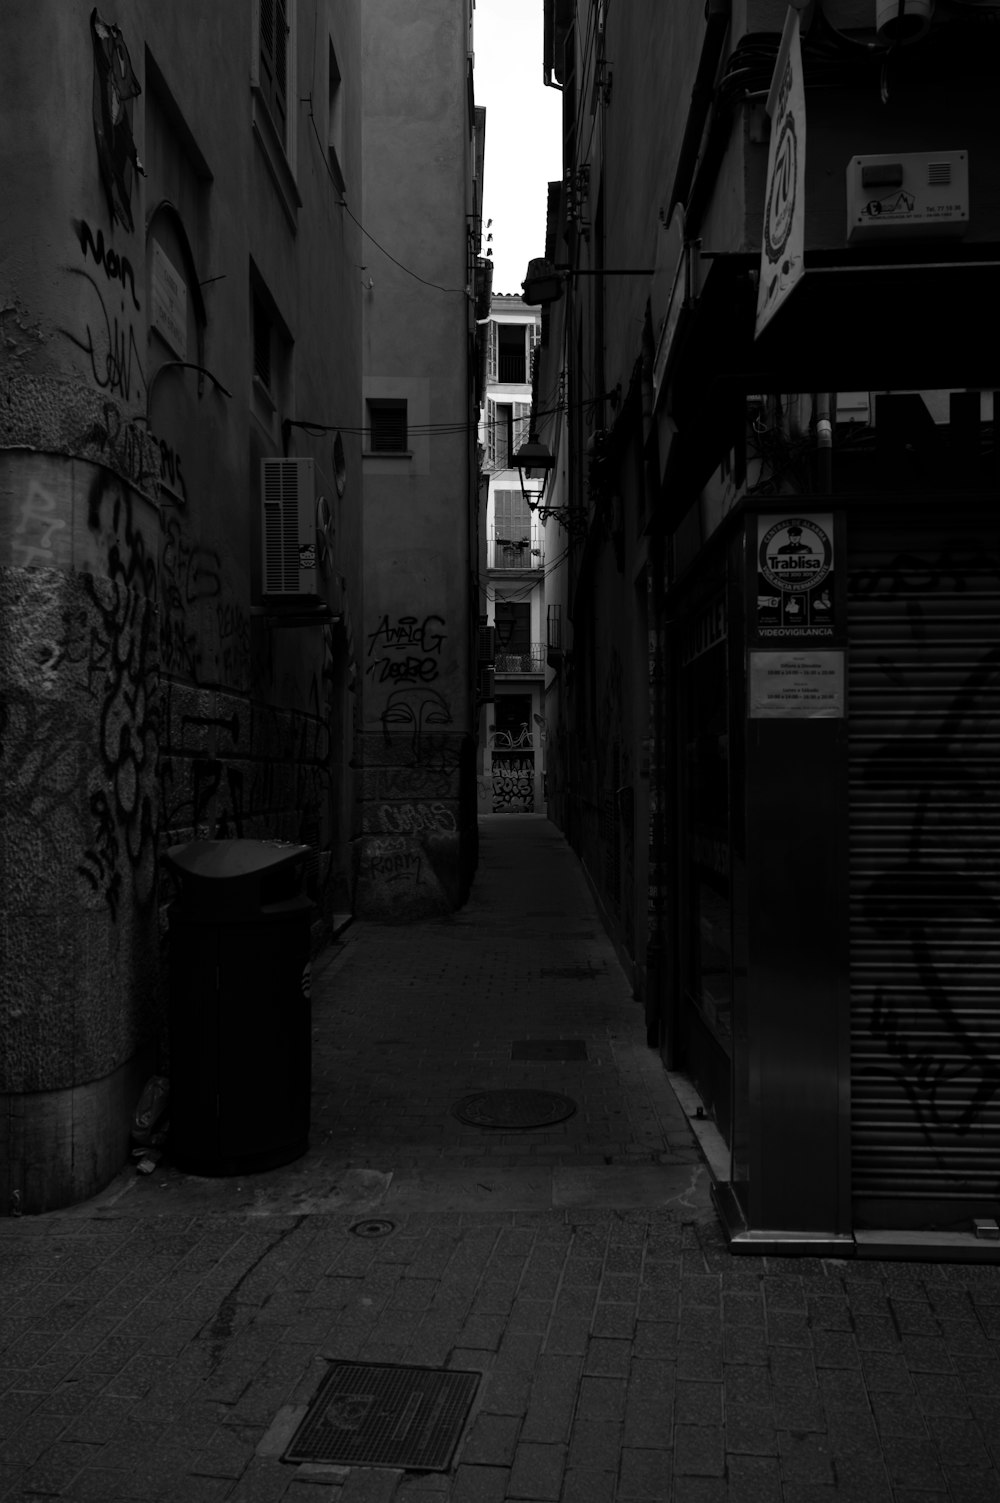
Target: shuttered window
[(262, 343), (387, 427), (511, 517), (274, 61)]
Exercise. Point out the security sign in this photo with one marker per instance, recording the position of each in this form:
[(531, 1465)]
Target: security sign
[(795, 576)]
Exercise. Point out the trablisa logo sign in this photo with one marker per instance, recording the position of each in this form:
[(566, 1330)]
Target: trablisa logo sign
[(795, 554)]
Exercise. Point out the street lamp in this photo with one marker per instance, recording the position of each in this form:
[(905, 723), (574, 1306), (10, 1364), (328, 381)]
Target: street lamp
[(545, 280), (534, 464)]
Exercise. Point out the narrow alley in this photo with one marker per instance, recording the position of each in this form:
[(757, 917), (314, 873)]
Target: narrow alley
[(163, 1341)]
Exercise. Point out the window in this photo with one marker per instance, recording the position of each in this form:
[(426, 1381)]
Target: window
[(335, 121), (511, 516), (274, 62), (513, 627), (387, 433), (507, 425), (263, 342), (511, 354)]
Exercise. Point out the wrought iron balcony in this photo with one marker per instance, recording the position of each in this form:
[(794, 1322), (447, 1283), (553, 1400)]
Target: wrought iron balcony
[(516, 553), (528, 659)]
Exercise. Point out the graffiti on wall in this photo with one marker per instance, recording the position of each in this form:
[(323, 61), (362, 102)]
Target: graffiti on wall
[(115, 87), (513, 783), (943, 770), (407, 650)]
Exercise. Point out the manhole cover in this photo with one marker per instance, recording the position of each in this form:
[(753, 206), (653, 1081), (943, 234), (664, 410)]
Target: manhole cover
[(382, 1414), (514, 1109), (373, 1228), (548, 1049), (568, 972)]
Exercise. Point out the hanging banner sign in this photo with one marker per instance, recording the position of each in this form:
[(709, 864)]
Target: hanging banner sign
[(781, 251), (795, 576)]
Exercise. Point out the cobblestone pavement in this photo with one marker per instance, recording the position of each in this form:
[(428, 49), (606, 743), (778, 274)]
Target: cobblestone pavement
[(162, 1341)]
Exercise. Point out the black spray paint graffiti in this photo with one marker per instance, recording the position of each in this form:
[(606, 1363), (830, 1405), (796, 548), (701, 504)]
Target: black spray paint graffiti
[(405, 720), (189, 575), (121, 663), (948, 1090), (115, 267), (513, 784), (110, 345), (125, 445), (115, 86), (408, 652)]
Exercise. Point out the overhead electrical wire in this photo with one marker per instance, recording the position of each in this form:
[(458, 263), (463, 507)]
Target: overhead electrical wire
[(343, 204)]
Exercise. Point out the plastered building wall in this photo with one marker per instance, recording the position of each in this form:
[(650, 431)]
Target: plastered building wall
[(148, 695), (416, 748)]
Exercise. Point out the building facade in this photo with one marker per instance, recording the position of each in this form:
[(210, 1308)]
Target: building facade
[(512, 733), (770, 738), (200, 479), (423, 164)]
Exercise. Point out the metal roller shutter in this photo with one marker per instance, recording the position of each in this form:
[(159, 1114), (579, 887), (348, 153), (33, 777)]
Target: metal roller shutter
[(924, 740)]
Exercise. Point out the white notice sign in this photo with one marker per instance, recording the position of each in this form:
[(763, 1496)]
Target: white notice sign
[(168, 303), (796, 685)]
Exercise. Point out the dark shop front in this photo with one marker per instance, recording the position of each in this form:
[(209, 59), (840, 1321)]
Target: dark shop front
[(836, 663)]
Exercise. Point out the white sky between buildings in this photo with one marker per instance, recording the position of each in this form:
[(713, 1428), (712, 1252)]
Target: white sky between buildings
[(523, 133)]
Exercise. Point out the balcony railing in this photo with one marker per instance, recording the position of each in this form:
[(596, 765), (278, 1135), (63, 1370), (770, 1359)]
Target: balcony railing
[(516, 553), (530, 659)]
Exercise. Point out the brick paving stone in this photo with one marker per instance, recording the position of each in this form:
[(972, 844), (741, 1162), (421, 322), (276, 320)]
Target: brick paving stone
[(601, 1398), (492, 1440), (700, 1490), (553, 1398), (697, 1403), (479, 1484), (583, 1485), (967, 1485), (614, 1320), (537, 1472), (608, 1358), (570, 1337), (595, 1444), (912, 1462), (699, 1361), (369, 1484), (699, 1450), (645, 1474), (750, 1430), (753, 1479)]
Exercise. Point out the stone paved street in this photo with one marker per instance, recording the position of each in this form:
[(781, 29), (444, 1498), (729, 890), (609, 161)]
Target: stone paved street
[(162, 1341)]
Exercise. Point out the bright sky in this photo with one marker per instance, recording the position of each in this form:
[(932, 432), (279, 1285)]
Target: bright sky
[(523, 133)]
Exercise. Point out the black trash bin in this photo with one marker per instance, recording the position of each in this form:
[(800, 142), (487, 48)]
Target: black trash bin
[(240, 1021)]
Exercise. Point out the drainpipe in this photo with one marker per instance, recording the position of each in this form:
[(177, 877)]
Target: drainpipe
[(824, 439), (718, 14)]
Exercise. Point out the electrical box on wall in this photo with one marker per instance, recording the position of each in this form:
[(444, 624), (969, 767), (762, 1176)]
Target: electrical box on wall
[(907, 194), (288, 527)]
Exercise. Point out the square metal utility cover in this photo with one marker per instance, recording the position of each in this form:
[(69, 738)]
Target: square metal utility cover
[(385, 1414), (548, 1049)]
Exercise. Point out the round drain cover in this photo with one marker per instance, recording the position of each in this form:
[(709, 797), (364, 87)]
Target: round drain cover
[(514, 1109), (373, 1228)]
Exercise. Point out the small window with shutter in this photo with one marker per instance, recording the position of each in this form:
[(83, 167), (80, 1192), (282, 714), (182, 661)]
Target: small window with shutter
[(274, 62), (387, 430)]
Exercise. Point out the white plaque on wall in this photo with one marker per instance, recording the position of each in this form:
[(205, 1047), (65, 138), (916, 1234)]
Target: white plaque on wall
[(168, 302)]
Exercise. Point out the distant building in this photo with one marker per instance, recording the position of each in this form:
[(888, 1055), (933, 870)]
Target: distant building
[(512, 737), (422, 200)]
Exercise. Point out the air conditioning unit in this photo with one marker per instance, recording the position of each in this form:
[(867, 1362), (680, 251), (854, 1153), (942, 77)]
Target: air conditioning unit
[(288, 527)]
